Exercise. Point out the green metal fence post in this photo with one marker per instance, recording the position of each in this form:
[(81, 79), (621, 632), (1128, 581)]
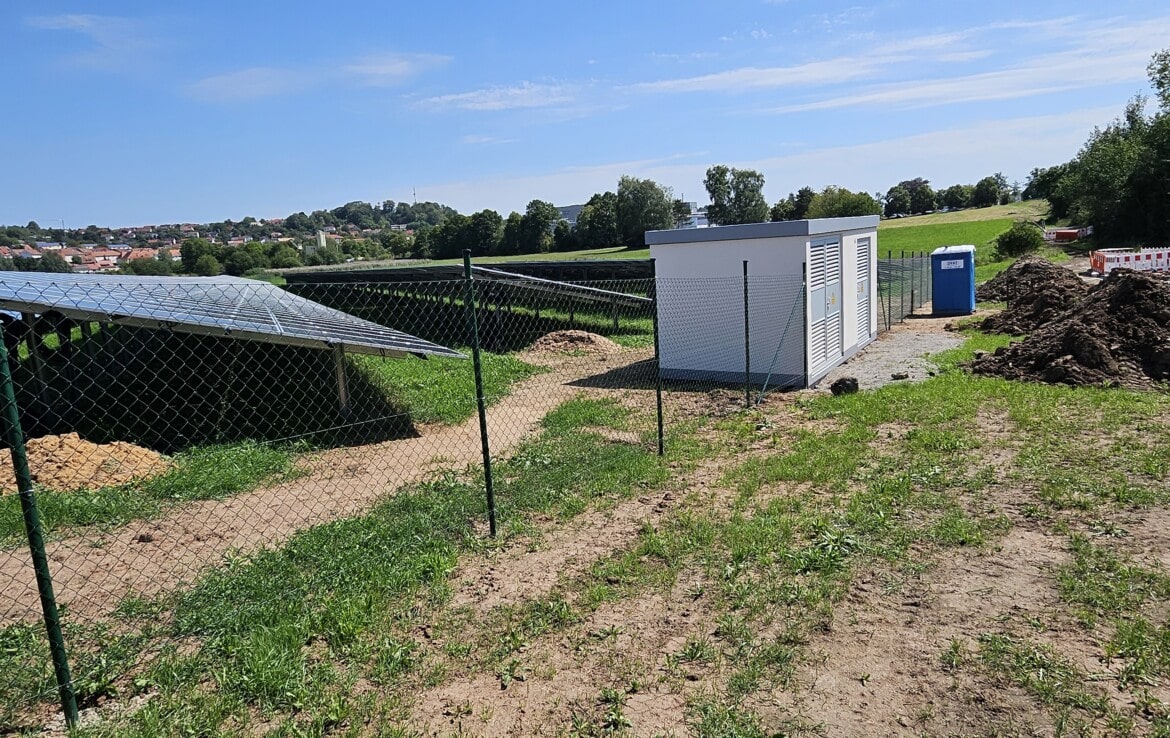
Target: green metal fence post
[(473, 321), (657, 356), (36, 540), (747, 342)]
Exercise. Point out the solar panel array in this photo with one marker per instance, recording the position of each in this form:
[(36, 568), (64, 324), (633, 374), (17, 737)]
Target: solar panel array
[(223, 306), (576, 270)]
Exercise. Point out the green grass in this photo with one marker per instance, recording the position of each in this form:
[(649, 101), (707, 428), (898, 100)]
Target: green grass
[(206, 473), (1025, 210), (438, 389), (882, 483), (285, 631), (927, 237)]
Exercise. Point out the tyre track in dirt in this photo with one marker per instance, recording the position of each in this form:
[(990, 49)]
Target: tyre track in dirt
[(92, 572)]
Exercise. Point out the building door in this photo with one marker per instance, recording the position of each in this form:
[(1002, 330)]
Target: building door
[(864, 289), (824, 285)]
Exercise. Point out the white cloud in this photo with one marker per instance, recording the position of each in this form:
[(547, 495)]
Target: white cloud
[(254, 83), (477, 139), (118, 44), (1109, 56), (522, 95), (383, 70), (945, 157), (832, 71), (248, 84)]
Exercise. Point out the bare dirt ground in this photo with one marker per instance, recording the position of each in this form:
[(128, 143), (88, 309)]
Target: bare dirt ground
[(877, 668), (94, 571)]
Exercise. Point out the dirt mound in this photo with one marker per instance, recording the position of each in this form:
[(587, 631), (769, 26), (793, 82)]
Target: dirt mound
[(1035, 308), (1028, 275), (1118, 335), (68, 463), (560, 342)]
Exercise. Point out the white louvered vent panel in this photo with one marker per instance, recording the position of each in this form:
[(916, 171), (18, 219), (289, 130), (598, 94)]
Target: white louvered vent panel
[(817, 344), (833, 347), (833, 263), (816, 269)]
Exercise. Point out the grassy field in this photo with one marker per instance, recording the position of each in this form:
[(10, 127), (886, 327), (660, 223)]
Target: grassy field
[(1026, 210), (767, 542), (927, 237)]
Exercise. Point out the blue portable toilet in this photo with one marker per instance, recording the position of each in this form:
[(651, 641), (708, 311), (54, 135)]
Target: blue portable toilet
[(952, 271)]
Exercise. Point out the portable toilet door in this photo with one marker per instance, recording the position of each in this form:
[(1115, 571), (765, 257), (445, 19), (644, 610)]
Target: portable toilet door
[(864, 289), (826, 344)]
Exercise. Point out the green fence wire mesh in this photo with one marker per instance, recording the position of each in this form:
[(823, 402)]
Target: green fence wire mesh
[(215, 509)]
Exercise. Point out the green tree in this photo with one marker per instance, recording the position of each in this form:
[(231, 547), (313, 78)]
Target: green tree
[(783, 210), (484, 232), (51, 261), (513, 228), (922, 199), (718, 184), (564, 239), (737, 196), (597, 225), (239, 262), (986, 193), (207, 266), (1159, 74), (536, 227), (1022, 238), (681, 212), (839, 202), (957, 196), (897, 201), (192, 250), (802, 201), (285, 257), (642, 205), (157, 267)]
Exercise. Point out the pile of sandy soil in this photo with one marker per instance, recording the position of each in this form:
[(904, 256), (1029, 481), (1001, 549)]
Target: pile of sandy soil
[(1118, 335), (1036, 291), (560, 342), (68, 463)]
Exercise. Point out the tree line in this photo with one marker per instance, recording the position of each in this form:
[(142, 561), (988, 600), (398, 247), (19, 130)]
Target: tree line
[(1119, 181)]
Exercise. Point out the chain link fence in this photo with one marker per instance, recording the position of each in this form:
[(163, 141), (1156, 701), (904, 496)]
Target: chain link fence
[(904, 286), (200, 507)]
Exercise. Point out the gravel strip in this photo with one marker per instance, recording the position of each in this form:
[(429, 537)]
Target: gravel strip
[(901, 350)]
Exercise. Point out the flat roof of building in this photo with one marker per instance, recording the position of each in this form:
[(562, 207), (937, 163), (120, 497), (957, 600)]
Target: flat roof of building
[(782, 229)]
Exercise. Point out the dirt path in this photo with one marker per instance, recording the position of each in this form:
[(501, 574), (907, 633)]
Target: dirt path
[(93, 572)]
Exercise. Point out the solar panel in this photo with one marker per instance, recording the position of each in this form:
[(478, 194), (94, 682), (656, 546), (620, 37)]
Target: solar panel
[(222, 306)]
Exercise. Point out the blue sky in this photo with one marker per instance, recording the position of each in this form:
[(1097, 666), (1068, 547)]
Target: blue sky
[(125, 113)]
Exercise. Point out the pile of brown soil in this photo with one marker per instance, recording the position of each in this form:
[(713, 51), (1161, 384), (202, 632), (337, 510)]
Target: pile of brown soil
[(561, 342), (68, 463), (1036, 291), (1118, 335), (1028, 275)]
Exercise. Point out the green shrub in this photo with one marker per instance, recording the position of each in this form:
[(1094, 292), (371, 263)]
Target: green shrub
[(1022, 238)]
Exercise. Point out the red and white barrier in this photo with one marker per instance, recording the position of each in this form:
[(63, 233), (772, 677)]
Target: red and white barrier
[(1142, 260)]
